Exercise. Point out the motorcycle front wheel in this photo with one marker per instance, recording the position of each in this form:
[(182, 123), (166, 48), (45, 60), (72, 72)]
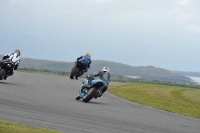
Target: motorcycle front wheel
[(2, 73)]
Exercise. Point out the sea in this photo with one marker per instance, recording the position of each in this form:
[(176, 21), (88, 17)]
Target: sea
[(134, 77), (195, 79)]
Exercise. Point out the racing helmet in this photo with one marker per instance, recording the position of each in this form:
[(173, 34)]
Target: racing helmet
[(18, 52), (105, 69), (88, 54)]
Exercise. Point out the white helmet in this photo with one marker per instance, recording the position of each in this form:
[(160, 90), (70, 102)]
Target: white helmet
[(18, 52), (105, 69)]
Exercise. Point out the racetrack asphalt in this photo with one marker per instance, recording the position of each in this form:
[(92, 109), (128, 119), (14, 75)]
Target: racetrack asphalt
[(49, 102)]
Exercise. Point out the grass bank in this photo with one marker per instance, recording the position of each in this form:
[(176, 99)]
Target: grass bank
[(180, 100), (6, 127)]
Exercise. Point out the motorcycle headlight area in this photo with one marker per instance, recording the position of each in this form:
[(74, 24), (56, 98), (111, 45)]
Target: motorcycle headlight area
[(8, 65)]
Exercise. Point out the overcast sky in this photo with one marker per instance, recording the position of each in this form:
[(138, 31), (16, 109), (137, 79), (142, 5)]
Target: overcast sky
[(160, 33)]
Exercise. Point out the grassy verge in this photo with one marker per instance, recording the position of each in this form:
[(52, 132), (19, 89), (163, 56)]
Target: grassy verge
[(6, 127), (132, 80), (180, 100)]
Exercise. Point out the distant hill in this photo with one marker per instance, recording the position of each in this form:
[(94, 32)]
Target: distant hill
[(148, 72), (119, 69)]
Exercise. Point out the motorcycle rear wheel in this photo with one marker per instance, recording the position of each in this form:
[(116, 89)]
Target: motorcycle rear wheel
[(73, 72), (92, 92)]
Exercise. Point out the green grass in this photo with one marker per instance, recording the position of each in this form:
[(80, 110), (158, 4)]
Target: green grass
[(180, 100), (6, 127), (148, 81)]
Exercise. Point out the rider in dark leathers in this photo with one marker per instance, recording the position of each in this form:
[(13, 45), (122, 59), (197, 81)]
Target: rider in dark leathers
[(104, 75), (86, 61)]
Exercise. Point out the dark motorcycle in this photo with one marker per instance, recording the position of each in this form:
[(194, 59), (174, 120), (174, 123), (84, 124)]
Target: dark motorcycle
[(77, 70), (91, 90), (5, 68)]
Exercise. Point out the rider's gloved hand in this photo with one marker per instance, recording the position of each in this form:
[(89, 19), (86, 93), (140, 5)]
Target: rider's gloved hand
[(90, 78), (15, 68)]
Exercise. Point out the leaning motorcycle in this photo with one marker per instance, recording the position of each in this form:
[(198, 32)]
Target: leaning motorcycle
[(91, 90), (6, 67), (77, 70)]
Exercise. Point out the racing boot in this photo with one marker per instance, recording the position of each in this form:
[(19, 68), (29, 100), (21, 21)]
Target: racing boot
[(5, 77), (100, 93), (81, 72)]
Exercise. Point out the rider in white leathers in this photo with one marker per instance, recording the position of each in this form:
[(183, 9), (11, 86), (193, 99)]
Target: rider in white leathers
[(15, 57)]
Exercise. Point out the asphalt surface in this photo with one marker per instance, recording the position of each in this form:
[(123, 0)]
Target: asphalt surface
[(49, 102)]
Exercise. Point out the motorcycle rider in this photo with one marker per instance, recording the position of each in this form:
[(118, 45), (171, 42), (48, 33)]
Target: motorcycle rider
[(104, 75), (85, 60), (15, 58)]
